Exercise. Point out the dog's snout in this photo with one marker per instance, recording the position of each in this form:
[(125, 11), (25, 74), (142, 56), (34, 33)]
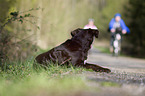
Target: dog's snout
[(96, 33)]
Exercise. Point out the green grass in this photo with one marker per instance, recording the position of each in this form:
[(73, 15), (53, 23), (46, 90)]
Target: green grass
[(20, 79), (110, 84), (103, 49)]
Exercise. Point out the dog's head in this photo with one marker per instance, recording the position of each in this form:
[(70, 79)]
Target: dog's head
[(95, 32), (92, 32), (75, 32)]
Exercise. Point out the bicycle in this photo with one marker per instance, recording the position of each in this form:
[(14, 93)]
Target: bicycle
[(117, 36)]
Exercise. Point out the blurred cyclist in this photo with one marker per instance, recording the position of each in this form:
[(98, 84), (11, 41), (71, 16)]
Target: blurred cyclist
[(90, 24), (117, 23)]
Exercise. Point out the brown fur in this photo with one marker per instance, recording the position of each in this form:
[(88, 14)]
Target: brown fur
[(74, 51)]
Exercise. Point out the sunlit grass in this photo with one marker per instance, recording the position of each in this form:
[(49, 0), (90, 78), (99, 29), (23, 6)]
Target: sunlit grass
[(21, 79), (42, 83)]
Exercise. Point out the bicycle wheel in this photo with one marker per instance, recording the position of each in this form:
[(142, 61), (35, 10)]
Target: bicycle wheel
[(115, 48)]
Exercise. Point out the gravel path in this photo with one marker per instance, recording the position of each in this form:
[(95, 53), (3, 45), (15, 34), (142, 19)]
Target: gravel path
[(126, 64), (126, 79)]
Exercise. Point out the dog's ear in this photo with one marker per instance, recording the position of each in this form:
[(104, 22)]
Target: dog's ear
[(96, 32), (76, 31)]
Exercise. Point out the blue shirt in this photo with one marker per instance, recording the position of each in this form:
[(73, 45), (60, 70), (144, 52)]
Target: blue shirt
[(122, 25)]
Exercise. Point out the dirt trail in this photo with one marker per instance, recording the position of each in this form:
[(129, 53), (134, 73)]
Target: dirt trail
[(126, 79), (126, 64)]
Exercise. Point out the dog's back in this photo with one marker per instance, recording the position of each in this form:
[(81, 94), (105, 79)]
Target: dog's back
[(74, 49)]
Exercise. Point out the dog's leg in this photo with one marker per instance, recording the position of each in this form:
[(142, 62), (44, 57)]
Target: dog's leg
[(96, 68)]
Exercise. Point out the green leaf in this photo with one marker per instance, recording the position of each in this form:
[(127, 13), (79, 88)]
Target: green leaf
[(21, 21), (21, 16), (27, 15), (38, 27)]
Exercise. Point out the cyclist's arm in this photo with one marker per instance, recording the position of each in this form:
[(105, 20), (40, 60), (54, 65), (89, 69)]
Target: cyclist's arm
[(123, 26), (111, 25), (85, 27)]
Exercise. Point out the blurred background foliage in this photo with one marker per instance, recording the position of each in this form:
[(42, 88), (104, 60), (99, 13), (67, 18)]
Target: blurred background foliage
[(57, 18)]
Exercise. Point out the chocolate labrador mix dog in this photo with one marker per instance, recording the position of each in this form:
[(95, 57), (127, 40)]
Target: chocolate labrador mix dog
[(73, 51)]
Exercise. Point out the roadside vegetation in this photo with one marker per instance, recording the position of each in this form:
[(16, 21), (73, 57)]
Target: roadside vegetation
[(21, 79)]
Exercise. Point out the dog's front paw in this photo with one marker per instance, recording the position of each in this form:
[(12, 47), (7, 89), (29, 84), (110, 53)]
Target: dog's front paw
[(106, 70), (97, 68)]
